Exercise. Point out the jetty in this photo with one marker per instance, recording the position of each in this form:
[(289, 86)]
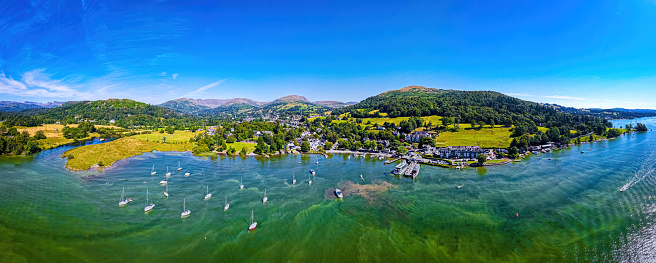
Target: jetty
[(391, 161)]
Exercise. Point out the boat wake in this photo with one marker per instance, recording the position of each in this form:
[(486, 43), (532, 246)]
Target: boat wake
[(645, 170)]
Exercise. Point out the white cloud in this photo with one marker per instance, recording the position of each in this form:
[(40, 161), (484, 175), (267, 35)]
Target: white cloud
[(175, 75), (162, 74), (204, 88)]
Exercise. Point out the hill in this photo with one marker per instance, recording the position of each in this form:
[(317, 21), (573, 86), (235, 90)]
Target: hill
[(333, 104), (470, 106), (105, 110)]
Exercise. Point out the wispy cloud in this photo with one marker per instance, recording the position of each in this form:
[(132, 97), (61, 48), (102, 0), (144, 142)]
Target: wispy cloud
[(162, 74), (36, 83), (204, 88), (175, 75), (563, 97)]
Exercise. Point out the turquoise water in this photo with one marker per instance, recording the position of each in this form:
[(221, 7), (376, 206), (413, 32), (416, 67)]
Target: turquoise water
[(570, 209)]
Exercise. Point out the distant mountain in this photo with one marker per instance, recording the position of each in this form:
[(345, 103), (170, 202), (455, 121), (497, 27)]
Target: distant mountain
[(334, 104), (11, 106), (243, 106), (615, 113)]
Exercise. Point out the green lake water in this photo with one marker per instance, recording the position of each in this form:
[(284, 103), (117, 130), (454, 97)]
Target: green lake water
[(570, 209)]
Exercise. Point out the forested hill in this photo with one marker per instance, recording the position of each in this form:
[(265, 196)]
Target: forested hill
[(105, 110), (470, 106)]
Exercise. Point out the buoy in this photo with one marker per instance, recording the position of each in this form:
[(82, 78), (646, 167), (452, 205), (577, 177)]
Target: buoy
[(516, 215)]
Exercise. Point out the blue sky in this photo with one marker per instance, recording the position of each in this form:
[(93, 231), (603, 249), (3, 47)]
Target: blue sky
[(574, 53)]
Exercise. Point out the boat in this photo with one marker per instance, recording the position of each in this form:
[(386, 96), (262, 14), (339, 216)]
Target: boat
[(415, 171), (168, 174), (460, 186), (361, 177), (208, 195), (381, 157), (149, 207), (312, 171), (152, 172), (163, 181), (102, 139), (241, 184), (265, 198), (338, 193), (167, 191), (582, 152), (124, 201), (310, 182), (400, 168), (187, 174), (226, 204), (179, 167), (293, 179), (624, 188), (185, 211), (253, 223)]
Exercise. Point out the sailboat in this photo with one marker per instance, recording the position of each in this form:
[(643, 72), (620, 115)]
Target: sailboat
[(253, 223), (123, 200), (241, 184), (163, 181), (312, 171), (179, 167), (226, 204), (208, 195), (265, 199), (149, 207), (293, 179), (185, 212), (310, 182), (187, 174), (152, 172), (167, 191), (361, 177), (168, 174)]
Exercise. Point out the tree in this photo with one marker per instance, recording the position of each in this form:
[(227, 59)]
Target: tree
[(230, 139), (13, 132), (591, 138), (481, 158), (641, 127), (328, 145), (40, 135), (305, 146), (426, 141), (201, 148), (231, 151), (261, 146), (402, 150), (243, 151)]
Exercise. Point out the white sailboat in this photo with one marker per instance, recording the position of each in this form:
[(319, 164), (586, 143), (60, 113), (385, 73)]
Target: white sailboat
[(310, 182), (185, 211), (241, 184), (253, 223), (293, 179), (361, 177), (124, 201), (179, 167), (149, 207), (226, 204), (168, 174), (163, 182), (265, 199), (187, 174), (152, 172), (167, 191), (208, 195)]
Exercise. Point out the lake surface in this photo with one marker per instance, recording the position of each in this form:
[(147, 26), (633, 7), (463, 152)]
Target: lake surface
[(569, 209)]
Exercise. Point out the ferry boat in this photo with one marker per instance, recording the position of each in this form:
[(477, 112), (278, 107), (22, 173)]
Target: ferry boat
[(415, 171), (400, 168)]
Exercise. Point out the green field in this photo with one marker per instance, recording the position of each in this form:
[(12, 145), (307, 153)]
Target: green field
[(108, 153), (240, 145), (497, 137), (436, 120), (176, 137)]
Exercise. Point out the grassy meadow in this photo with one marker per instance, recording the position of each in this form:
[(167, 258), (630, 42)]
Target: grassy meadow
[(108, 153), (497, 137), (176, 137)]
